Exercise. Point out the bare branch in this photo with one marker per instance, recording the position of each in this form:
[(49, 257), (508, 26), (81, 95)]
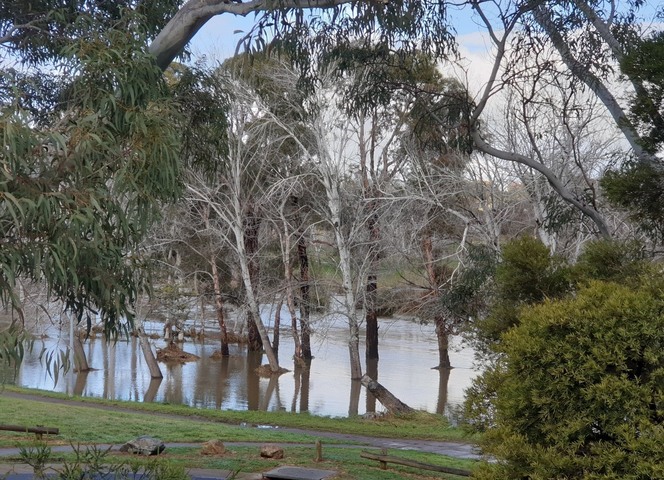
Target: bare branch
[(551, 177)]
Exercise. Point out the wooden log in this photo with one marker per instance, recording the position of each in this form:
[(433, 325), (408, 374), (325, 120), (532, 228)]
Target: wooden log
[(385, 397), (384, 459), (36, 430)]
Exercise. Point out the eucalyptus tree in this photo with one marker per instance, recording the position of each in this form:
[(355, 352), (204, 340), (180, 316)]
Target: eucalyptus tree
[(287, 196), (435, 145), (74, 151), (340, 209), (93, 144), (124, 128), (235, 191), (563, 129), (590, 40)]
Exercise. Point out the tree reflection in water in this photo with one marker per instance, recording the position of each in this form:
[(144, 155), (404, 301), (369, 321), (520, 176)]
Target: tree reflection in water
[(408, 351)]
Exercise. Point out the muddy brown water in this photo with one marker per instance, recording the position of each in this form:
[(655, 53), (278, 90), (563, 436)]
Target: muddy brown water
[(408, 351)]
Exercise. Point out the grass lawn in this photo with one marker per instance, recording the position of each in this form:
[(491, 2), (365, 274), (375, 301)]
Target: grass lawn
[(347, 462), (83, 422), (420, 425)]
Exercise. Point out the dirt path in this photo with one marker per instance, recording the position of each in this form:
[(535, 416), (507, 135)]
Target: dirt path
[(451, 449)]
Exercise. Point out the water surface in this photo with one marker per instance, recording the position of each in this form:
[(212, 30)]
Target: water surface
[(408, 350)]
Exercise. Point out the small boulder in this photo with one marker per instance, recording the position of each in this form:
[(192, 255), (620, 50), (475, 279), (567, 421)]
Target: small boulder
[(144, 445), (272, 451), (213, 447)]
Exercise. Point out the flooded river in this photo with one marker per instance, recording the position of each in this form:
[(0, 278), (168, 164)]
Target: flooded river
[(408, 350)]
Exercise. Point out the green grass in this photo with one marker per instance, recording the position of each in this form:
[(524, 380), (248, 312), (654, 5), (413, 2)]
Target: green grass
[(85, 421), (420, 425), (346, 461), (86, 424)]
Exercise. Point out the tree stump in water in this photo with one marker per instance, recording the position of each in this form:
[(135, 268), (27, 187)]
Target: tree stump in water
[(385, 397)]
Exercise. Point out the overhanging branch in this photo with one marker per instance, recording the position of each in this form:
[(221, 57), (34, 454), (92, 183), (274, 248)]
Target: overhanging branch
[(551, 177), (179, 31)]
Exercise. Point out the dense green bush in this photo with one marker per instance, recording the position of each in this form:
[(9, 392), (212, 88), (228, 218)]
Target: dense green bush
[(612, 260), (579, 389), (527, 274)]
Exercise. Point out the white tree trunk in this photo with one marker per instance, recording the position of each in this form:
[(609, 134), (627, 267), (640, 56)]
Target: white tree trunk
[(331, 184)]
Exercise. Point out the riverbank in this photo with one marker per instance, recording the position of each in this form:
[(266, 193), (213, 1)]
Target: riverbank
[(424, 437)]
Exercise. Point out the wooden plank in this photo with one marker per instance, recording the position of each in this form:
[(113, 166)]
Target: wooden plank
[(37, 430), (415, 464)]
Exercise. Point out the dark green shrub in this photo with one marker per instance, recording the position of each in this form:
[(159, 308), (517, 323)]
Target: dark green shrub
[(612, 260), (579, 389), (527, 274)]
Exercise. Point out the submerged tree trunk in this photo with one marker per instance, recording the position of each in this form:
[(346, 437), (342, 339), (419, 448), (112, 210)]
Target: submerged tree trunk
[(354, 402), (80, 361), (218, 298), (443, 380), (345, 266), (219, 307), (251, 229), (288, 276), (371, 300), (150, 360), (442, 330), (443, 337), (371, 318), (372, 371), (305, 298), (277, 326), (304, 350)]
